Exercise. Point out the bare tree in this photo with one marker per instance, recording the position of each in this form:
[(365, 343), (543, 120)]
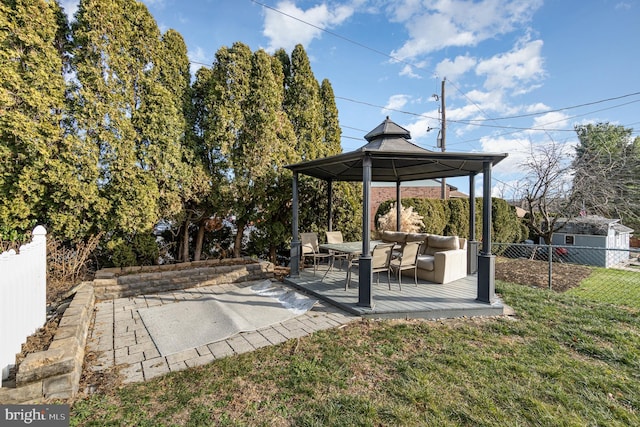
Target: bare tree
[(546, 190)]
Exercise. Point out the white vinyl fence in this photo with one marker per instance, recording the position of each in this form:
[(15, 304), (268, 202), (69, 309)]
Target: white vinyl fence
[(23, 296)]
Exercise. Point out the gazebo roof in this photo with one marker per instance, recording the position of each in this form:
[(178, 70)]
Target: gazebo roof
[(394, 158)]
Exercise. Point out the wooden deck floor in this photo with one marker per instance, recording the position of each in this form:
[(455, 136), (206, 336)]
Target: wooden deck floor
[(426, 301)]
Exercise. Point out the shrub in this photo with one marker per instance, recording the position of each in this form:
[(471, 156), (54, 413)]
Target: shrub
[(433, 213), (457, 211), (145, 248), (120, 253), (139, 249)]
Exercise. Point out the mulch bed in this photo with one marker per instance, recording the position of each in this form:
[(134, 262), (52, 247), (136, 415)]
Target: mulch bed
[(536, 273)]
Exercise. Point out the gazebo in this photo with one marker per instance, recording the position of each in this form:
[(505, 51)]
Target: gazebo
[(389, 156)]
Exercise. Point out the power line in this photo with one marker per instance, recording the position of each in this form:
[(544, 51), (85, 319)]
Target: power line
[(551, 111), (515, 129), (355, 101), (470, 122)]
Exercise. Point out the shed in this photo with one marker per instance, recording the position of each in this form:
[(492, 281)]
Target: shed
[(589, 234)]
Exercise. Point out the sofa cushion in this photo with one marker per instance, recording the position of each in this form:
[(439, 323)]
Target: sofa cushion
[(441, 243), (417, 237), (426, 262), (393, 236)]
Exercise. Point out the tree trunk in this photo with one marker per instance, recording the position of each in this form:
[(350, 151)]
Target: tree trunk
[(197, 251), (237, 246), (185, 242), (272, 254)]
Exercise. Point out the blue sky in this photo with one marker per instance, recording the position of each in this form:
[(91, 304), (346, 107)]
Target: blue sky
[(501, 58)]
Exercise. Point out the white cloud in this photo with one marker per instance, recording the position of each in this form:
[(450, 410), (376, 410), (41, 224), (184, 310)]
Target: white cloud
[(536, 108), (518, 148), (396, 102), (553, 120), (437, 24), (287, 29), (457, 67), (425, 128), (520, 67), (407, 71)]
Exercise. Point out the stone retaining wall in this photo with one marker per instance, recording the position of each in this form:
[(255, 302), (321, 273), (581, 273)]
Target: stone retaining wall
[(113, 283), (55, 373)]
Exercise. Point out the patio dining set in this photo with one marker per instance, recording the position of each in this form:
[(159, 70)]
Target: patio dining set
[(385, 257)]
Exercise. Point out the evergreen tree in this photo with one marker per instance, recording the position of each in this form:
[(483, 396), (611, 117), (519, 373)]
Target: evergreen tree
[(185, 178), (330, 122), (38, 178), (261, 183), (303, 106), (130, 106), (285, 62), (207, 159), (347, 196), (275, 225), (606, 172), (223, 123)]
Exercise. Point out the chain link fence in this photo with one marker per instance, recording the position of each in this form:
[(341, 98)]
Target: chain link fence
[(601, 274)]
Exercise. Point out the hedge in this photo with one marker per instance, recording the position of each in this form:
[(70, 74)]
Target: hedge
[(451, 217)]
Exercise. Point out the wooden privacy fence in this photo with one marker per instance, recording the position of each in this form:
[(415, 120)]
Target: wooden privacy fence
[(23, 296)]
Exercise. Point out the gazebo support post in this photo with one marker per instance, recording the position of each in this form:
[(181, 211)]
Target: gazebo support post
[(486, 261), (398, 206), (295, 242), (330, 205), (472, 244), (365, 274)]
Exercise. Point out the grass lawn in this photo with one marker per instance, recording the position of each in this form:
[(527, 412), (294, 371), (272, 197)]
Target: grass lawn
[(619, 287), (562, 361)]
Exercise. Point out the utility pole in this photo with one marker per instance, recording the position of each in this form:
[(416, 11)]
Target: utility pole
[(443, 137)]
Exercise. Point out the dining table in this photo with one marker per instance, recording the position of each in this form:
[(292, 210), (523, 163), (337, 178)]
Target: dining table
[(352, 249)]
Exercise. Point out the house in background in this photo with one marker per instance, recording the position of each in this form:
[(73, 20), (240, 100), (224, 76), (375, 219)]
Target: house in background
[(425, 189), (593, 231)]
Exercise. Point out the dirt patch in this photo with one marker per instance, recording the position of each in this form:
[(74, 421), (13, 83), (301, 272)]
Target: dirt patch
[(536, 273)]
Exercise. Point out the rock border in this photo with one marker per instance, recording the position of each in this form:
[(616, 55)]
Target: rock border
[(112, 283), (55, 373)]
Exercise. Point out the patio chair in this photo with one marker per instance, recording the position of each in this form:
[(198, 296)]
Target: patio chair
[(336, 237), (408, 260), (309, 249), (380, 259)]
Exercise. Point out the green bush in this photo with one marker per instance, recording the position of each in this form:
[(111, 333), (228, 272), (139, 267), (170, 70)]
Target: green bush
[(120, 253), (506, 226), (457, 211), (140, 249), (146, 249)]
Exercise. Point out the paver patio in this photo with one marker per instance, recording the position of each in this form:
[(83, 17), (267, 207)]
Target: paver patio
[(120, 339)]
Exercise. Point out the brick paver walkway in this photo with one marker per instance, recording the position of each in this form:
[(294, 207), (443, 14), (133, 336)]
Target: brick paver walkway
[(119, 337)]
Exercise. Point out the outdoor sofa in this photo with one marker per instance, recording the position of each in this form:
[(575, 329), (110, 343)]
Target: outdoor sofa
[(442, 259)]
